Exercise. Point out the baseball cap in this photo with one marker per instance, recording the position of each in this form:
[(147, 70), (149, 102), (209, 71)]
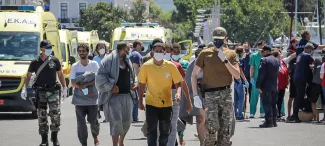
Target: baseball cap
[(309, 46), (267, 48), (46, 44), (219, 33)]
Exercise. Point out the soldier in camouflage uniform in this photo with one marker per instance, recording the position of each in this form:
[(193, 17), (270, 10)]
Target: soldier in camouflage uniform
[(47, 91), (219, 65)]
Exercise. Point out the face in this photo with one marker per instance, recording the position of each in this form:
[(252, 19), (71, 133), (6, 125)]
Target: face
[(176, 51), (43, 50), (139, 46), (294, 44), (264, 53), (123, 52), (82, 52), (308, 36), (100, 46), (168, 50), (307, 50), (158, 50)]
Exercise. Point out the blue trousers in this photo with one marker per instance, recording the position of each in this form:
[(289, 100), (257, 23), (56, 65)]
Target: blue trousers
[(135, 112), (239, 96)]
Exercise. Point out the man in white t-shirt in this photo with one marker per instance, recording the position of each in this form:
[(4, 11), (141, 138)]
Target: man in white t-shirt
[(85, 95)]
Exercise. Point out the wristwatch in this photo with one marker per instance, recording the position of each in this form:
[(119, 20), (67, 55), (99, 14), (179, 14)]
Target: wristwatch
[(225, 61)]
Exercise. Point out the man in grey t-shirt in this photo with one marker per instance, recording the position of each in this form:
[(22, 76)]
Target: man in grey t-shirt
[(315, 89), (85, 95)]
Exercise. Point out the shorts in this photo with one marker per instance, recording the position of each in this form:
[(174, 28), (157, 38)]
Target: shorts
[(315, 92), (292, 89)]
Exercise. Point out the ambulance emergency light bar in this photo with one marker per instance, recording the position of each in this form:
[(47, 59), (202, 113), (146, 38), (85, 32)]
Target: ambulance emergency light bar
[(73, 28), (139, 24), (23, 8)]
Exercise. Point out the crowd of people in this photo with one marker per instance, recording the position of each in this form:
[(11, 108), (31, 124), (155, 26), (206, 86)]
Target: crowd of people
[(175, 90)]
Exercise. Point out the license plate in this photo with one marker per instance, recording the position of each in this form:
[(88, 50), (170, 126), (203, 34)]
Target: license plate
[(2, 102)]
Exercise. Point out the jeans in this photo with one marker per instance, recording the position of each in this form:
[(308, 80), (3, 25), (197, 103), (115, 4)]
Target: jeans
[(239, 98), (91, 113), (173, 134), (135, 112), (163, 116)]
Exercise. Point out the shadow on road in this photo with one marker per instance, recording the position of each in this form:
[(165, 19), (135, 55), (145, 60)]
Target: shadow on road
[(16, 116), (138, 139)]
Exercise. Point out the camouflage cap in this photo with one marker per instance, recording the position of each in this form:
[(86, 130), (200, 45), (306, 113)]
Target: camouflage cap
[(309, 46), (219, 33)]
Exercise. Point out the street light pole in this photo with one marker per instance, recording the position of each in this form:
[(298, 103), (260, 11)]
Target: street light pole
[(319, 22), (296, 17)]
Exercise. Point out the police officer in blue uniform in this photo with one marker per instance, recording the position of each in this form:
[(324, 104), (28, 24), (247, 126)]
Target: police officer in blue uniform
[(267, 85)]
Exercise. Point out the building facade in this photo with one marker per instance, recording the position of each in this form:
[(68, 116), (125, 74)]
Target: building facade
[(67, 12)]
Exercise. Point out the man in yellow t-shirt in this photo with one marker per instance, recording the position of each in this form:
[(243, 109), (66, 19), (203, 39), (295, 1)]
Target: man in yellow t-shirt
[(158, 75)]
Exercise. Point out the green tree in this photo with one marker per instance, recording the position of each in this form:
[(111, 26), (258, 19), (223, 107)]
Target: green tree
[(102, 17), (250, 20), (154, 10), (138, 12), (47, 1)]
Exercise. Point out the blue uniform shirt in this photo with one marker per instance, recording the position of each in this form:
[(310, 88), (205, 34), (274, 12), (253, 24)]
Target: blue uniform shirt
[(303, 71), (135, 57), (301, 46), (267, 79)]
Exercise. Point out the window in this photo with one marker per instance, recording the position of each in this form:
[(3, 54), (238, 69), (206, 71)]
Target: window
[(82, 6), (64, 10)]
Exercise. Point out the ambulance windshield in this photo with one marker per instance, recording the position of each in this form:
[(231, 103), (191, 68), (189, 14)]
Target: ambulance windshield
[(19, 45), (146, 45)]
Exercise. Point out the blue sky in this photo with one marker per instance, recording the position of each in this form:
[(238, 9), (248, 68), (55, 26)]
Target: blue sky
[(165, 5)]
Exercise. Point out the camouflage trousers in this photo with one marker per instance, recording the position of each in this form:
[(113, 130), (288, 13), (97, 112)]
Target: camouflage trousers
[(52, 100), (219, 113)]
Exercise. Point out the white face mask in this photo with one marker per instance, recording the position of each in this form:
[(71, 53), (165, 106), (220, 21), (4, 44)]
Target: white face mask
[(102, 51), (158, 56), (167, 56), (176, 57)]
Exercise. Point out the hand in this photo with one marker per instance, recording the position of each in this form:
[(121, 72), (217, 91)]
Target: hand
[(115, 89), (141, 106), (259, 90), (65, 92), (246, 84), (293, 55), (189, 107), (221, 55), (90, 94), (135, 87), (177, 98), (23, 93), (252, 81), (197, 102)]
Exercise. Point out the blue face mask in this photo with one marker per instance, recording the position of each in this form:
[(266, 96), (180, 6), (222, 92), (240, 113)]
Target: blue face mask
[(176, 57), (48, 52), (218, 43)]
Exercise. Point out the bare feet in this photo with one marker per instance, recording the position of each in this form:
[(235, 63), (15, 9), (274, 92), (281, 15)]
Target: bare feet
[(96, 141)]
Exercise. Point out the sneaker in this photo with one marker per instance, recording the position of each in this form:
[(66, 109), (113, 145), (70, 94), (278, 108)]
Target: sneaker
[(262, 115), (251, 116), (293, 120), (239, 118)]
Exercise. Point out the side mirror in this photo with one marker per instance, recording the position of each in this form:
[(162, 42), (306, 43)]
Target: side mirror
[(72, 60)]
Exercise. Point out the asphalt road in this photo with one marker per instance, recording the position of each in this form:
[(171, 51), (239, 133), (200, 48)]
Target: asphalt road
[(18, 129)]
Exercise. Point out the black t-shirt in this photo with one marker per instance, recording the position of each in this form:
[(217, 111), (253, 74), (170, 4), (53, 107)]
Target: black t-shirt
[(48, 74), (123, 82)]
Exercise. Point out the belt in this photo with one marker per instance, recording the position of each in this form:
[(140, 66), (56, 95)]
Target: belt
[(217, 89)]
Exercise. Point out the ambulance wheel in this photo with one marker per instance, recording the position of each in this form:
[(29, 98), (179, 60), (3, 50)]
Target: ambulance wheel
[(34, 114)]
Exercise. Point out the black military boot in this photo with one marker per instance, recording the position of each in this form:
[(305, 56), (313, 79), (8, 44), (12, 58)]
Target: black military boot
[(268, 123), (54, 139), (274, 122), (45, 140)]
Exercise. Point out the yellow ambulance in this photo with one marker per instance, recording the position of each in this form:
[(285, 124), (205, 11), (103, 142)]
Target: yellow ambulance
[(89, 37), (68, 52), (22, 29), (146, 33)]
